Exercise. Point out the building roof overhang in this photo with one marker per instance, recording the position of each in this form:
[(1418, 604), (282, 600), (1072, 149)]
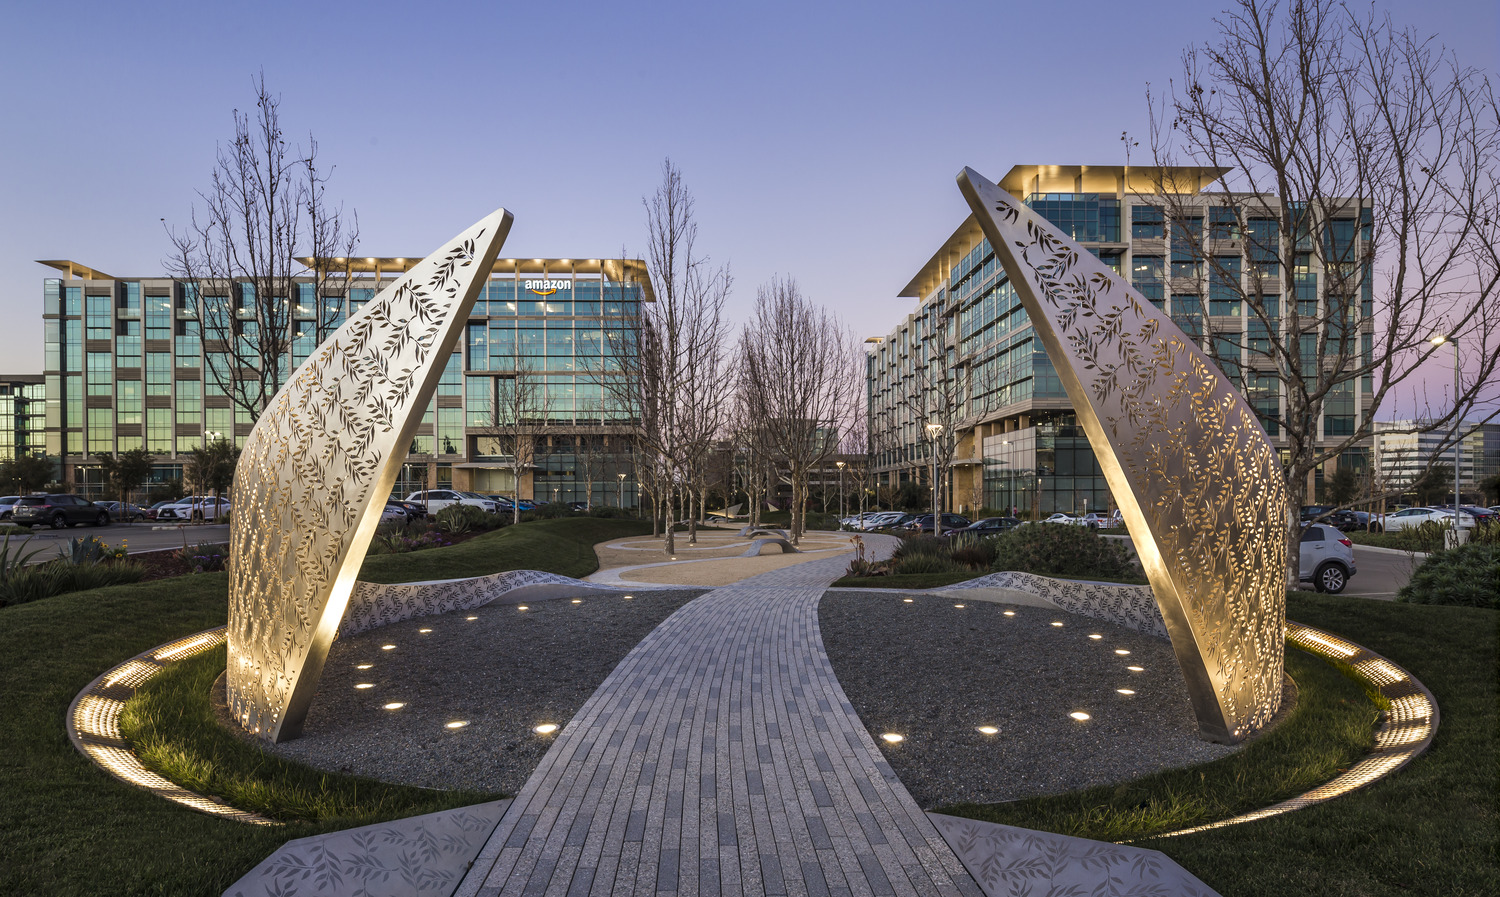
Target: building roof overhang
[(618, 270), (74, 269), (1024, 180)]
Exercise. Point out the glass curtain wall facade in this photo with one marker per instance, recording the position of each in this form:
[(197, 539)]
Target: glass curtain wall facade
[(1020, 446), (23, 415), (131, 364)]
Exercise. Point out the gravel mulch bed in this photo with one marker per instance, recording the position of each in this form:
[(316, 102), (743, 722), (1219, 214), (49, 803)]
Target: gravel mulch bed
[(503, 673), (934, 673)]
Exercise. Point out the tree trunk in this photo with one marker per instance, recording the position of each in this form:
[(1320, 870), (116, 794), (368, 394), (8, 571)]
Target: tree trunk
[(671, 527)]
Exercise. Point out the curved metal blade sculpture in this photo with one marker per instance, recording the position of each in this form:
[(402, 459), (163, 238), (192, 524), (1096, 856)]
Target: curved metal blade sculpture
[(1195, 476), (315, 472)]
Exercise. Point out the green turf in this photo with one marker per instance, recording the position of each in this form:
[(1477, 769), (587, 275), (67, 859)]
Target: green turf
[(562, 545), (1431, 829), (170, 723), (1330, 728), (67, 828)]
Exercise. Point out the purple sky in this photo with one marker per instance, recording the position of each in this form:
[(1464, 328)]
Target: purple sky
[(821, 141)]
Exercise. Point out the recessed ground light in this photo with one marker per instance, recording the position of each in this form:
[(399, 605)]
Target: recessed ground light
[(424, 630), (1136, 669), (387, 647), (988, 730), (906, 600), (456, 724), (628, 597), (365, 685), (577, 600), (522, 607), (1079, 715), (364, 666), (958, 605), (471, 618), (1096, 636), (892, 738), (545, 729), (1125, 691), (1010, 613), (1055, 623), (394, 705), (1121, 651)]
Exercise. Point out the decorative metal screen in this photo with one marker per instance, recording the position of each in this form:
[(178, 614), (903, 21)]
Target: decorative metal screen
[(315, 472), (1188, 462)]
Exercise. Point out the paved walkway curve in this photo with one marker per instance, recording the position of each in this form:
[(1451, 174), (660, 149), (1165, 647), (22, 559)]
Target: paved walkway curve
[(720, 757)]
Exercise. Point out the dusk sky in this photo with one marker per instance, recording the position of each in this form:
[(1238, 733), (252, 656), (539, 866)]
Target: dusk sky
[(821, 140)]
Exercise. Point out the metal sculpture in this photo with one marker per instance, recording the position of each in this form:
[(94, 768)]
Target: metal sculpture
[(315, 472), (1197, 479)]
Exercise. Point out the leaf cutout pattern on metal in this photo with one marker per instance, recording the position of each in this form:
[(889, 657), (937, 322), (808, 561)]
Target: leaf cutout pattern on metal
[(1188, 462), (315, 471)]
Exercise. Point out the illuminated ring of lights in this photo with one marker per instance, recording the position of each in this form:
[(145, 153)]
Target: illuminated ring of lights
[(1405, 732), (93, 724)]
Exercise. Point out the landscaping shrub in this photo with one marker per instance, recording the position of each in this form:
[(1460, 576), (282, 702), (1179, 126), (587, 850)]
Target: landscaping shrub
[(552, 511), (609, 512), (393, 538), (58, 577), (1059, 549), (926, 563), (1466, 576), (920, 546), (459, 519), (83, 550), (205, 557), (974, 551)]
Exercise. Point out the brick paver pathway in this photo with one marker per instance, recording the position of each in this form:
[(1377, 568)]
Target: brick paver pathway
[(720, 757)]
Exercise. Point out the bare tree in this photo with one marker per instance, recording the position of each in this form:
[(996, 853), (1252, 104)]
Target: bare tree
[(672, 354), (264, 218), (795, 377), (517, 423), (1360, 153)]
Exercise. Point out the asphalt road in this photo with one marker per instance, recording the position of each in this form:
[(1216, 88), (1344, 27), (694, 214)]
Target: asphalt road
[(1380, 573), (139, 536)]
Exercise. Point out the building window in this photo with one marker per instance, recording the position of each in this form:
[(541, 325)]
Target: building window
[(159, 430), (101, 432), (101, 374), (189, 402), (450, 435), (1263, 239), (189, 348), (72, 301), (72, 346), (128, 345), (479, 401), (101, 317), (158, 374), (1224, 286), (128, 401), (452, 382), (218, 422), (158, 317), (1223, 223), (1147, 223)]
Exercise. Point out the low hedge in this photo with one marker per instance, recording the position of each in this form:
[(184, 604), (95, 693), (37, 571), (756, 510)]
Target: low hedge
[(1466, 576)]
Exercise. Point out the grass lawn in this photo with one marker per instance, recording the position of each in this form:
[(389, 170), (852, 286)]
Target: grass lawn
[(67, 828), (1430, 829)]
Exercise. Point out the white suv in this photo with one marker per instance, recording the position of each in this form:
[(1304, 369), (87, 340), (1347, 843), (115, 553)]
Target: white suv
[(438, 499), (1326, 558), (195, 507)]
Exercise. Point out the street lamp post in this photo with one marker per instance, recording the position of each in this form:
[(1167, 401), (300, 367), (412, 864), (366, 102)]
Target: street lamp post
[(842, 511), (620, 492), (1438, 341), (933, 431)]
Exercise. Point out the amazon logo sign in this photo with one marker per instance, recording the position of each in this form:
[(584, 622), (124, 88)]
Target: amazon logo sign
[(548, 287)]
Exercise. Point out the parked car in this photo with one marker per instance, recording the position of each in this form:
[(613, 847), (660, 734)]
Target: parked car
[(989, 526), (413, 510), (155, 509), (120, 510), (1065, 519), (1314, 512), (950, 522), (57, 510), (1096, 521), (1411, 517), (1326, 558), (194, 507), (437, 499), (394, 512), (7, 506), (578, 507), (1483, 515)]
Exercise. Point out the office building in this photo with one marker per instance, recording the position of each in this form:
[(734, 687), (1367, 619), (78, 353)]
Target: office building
[(144, 363), (22, 415), (1019, 443)]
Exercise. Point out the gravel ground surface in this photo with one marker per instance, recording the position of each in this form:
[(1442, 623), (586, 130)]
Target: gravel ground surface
[(504, 673), (934, 673)]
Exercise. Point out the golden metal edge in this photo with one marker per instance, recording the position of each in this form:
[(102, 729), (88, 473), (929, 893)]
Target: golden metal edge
[(117, 760), (1382, 761)]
